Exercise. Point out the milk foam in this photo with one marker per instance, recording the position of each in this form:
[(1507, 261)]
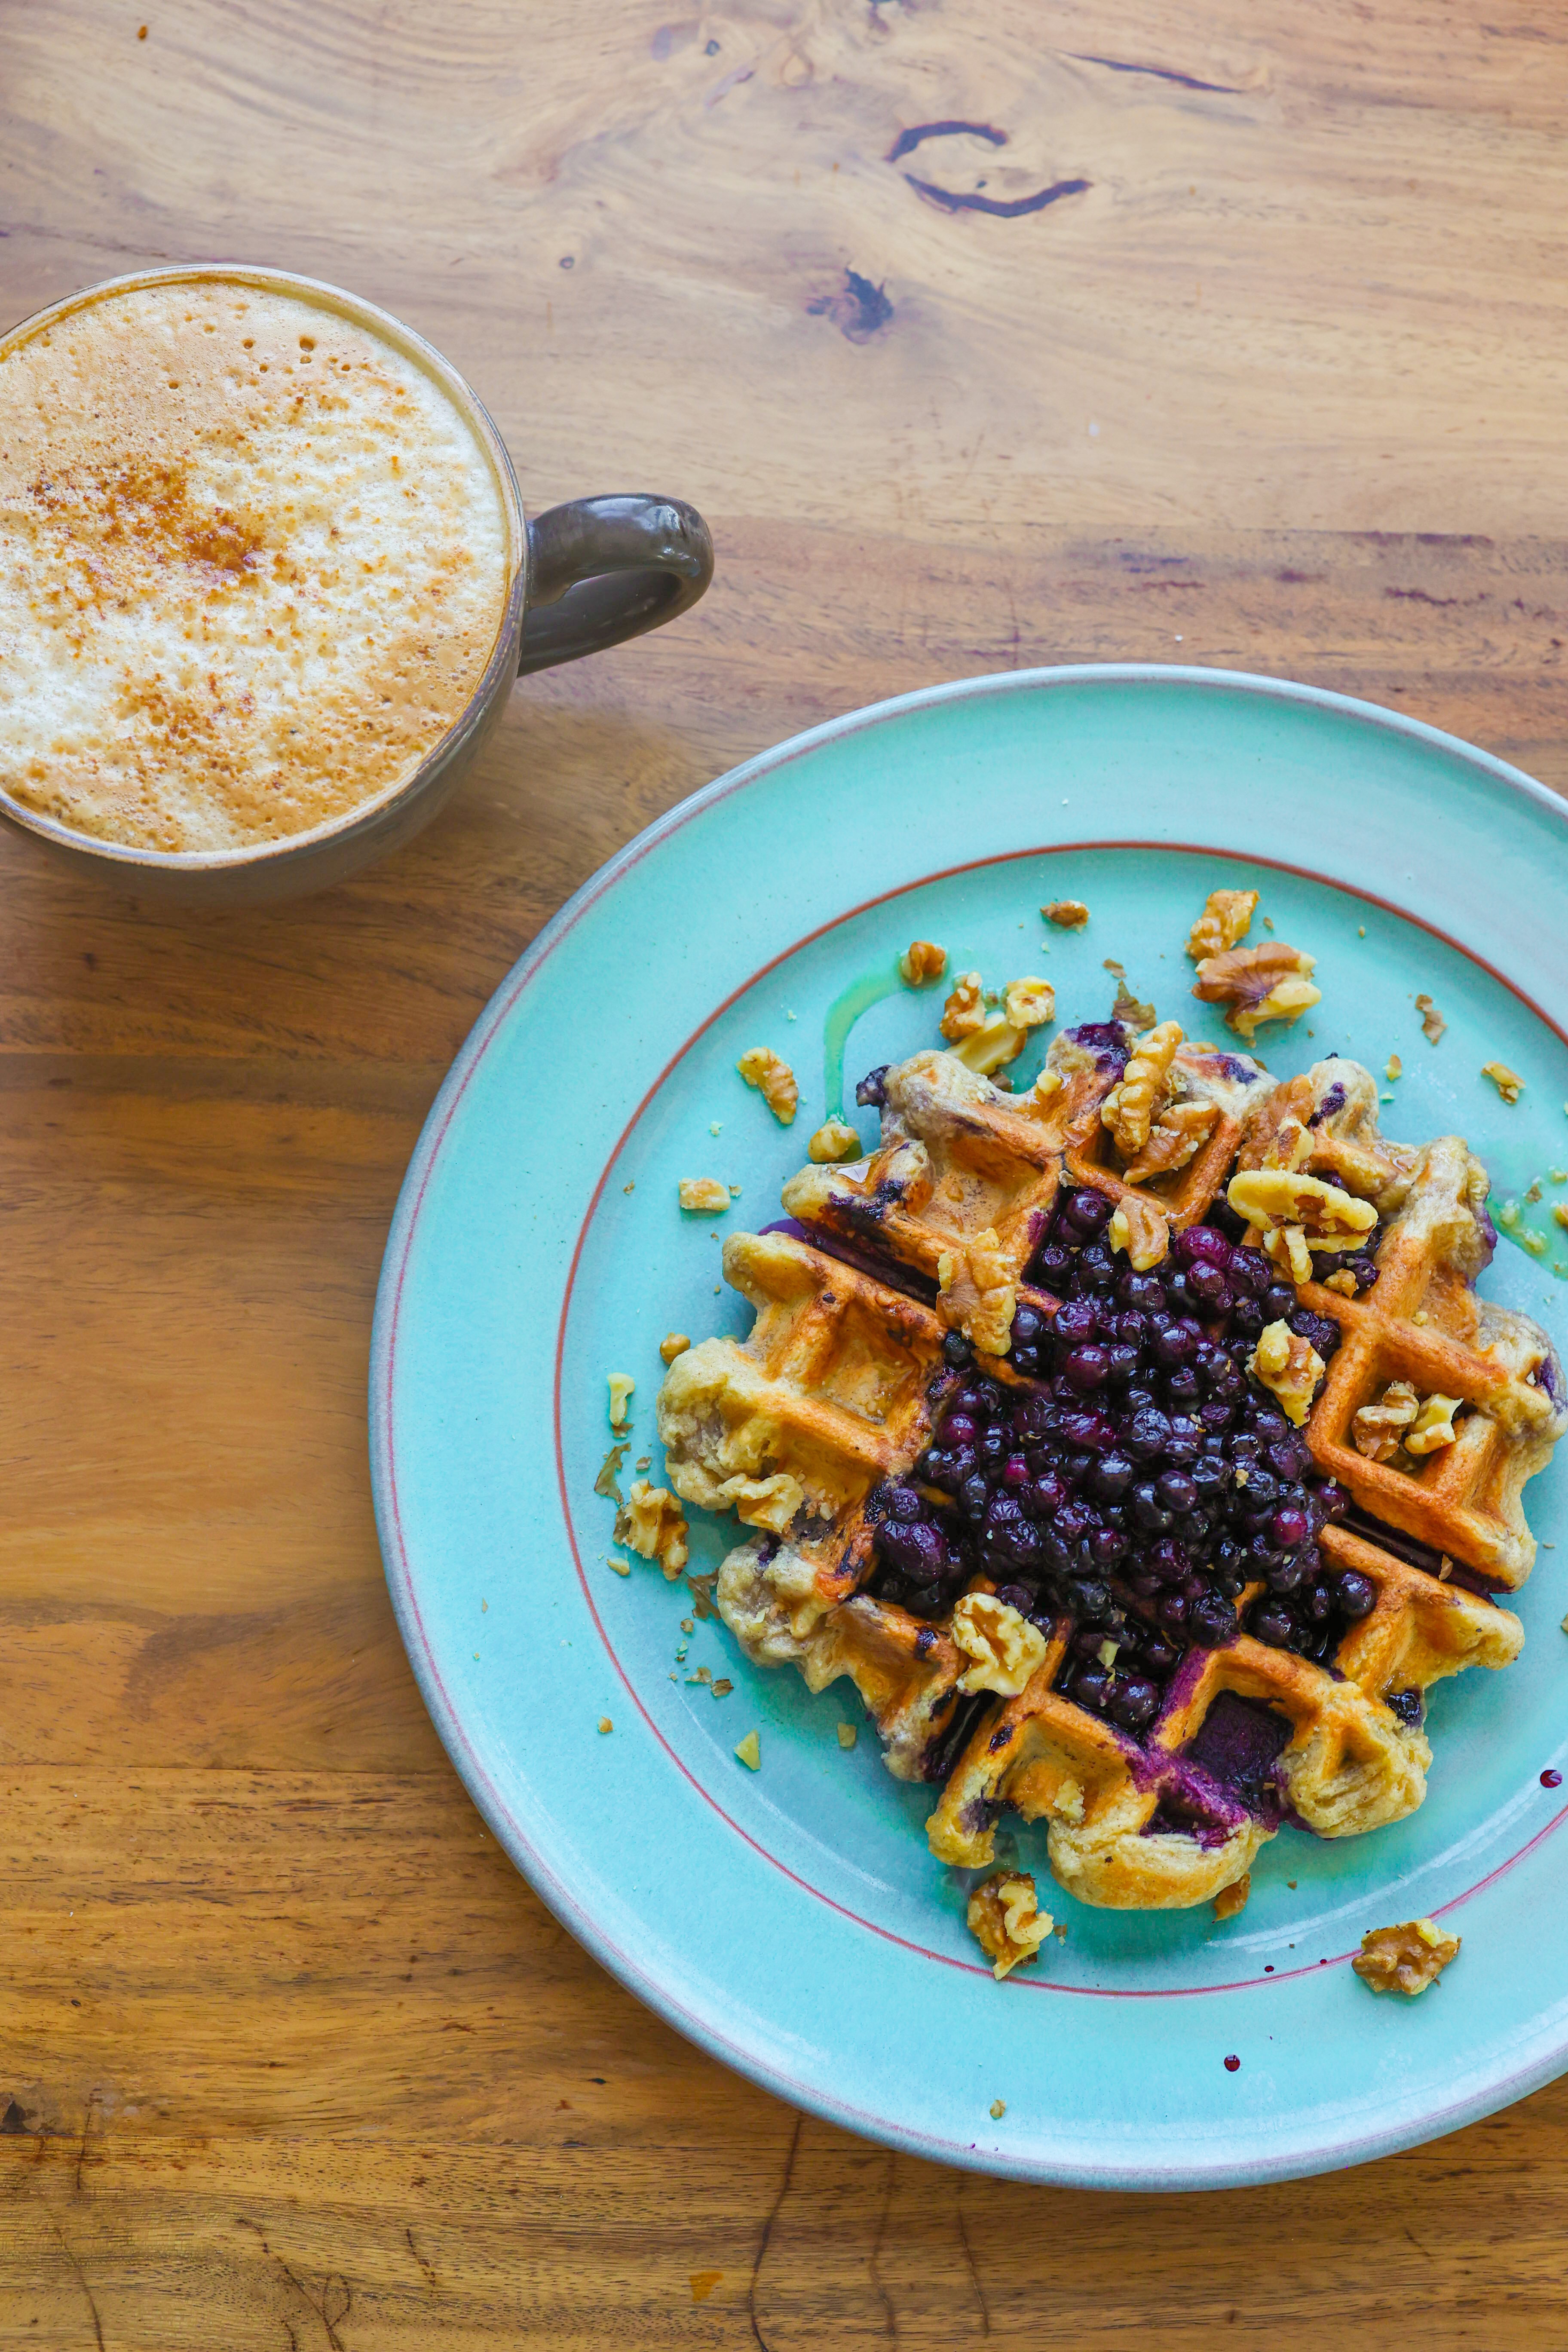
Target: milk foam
[(253, 562)]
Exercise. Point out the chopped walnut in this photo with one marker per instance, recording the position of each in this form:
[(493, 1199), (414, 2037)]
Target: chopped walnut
[(1433, 1427), (773, 1079), (923, 960), (1287, 1251), (1179, 1131), (1275, 1198), (1042, 1093), (1141, 1230), (1394, 1068), (964, 1011), (985, 1049), (1067, 914), (750, 1752), (770, 1503), (977, 1289), (673, 1344), (1232, 1900), (835, 1140), (1507, 1082), (1288, 1367), (1005, 1648), (1407, 1958), (1029, 1003), (1130, 1109), (704, 1193), (651, 1523), (1225, 920), (1378, 1428), (1265, 984), (1431, 1020), (621, 1387), (848, 1734), (1005, 1920), (1343, 1282)]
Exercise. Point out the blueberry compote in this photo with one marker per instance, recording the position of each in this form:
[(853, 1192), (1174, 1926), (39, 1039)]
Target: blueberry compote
[(1138, 1480)]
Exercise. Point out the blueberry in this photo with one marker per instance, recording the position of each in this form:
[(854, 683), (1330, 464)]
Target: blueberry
[(1213, 1621), (993, 1447), (1201, 1246), (975, 1493), (1110, 1478), (1275, 1624), (1053, 1263), (1092, 1433), (1175, 1490), (1087, 1368), (1364, 1271), (1026, 1326), (1147, 1433), (1144, 1293), (1356, 1594), (1107, 1546), (1087, 1212), (1278, 1300), (1157, 1655), (1148, 1512), (1249, 1272), (1173, 1343), (955, 1349), (1090, 1598), (1097, 1267), (1290, 1528), (1208, 1286), (1406, 1705), (1122, 1362), (1078, 1320), (961, 1429), (903, 1503), (1183, 1386), (1017, 1596), (1133, 1701), (1048, 1494), (1286, 1575), (1015, 1471), (1092, 1685), (918, 1552), (1185, 1441), (1174, 1611), (1248, 1318), (870, 1093), (1319, 1331), (1317, 1603), (1332, 1500)]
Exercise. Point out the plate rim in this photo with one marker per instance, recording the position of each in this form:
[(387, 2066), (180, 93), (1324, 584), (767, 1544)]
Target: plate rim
[(510, 1833)]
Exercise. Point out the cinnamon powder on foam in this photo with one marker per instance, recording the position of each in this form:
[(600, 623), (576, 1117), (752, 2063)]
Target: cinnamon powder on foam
[(252, 567)]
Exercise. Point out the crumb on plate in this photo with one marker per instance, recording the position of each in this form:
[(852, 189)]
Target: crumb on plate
[(750, 1752), (922, 961), (773, 1080), (704, 1194), (1067, 914)]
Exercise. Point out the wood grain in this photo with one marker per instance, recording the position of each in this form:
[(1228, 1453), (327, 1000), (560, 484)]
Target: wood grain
[(289, 2055)]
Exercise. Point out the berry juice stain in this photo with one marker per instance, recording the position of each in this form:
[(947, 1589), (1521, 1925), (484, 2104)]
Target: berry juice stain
[(1552, 1779), (1232, 2065)]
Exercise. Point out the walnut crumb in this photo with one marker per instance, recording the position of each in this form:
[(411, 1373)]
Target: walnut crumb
[(1179, 1131), (1005, 1648), (723, 1687), (1405, 1958), (1029, 1003), (1343, 1282), (1508, 1082), (964, 1011), (750, 1752), (1140, 1231), (1067, 914), (1005, 1920), (1431, 1020), (998, 2109), (848, 1734), (621, 1387), (1288, 1367), (604, 1724), (1232, 1899), (651, 1523), (834, 1139), (1395, 1068), (704, 1194), (1225, 920), (1258, 984), (773, 1079), (621, 1566), (1130, 1109), (923, 960), (977, 1293), (673, 1344), (1433, 1426)]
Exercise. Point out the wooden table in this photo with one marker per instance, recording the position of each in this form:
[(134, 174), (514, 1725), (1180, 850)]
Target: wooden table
[(1231, 333)]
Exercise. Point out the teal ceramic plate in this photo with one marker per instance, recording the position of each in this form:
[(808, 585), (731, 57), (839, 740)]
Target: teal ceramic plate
[(791, 1919)]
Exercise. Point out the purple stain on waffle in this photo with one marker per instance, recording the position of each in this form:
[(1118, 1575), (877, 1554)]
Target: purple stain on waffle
[(1133, 1488)]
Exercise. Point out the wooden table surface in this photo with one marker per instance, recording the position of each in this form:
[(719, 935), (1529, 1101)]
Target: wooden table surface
[(289, 2055)]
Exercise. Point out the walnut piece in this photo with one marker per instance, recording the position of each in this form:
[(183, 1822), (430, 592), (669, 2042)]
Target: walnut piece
[(1378, 1428), (835, 1140), (1431, 1020), (1231, 1900), (673, 1344), (977, 1292), (1343, 1282), (1006, 1921), (651, 1523), (1394, 1068), (1507, 1082), (1005, 1647), (923, 960), (986, 1048), (1405, 1958), (621, 1387), (1288, 1367), (1433, 1426), (1225, 920), (964, 1011), (1141, 1230), (1067, 914), (1274, 1199), (773, 1079), (1029, 1003), (1265, 984), (704, 1193), (1179, 1131), (1130, 1109)]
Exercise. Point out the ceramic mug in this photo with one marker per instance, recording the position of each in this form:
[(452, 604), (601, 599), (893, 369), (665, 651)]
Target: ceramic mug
[(582, 576)]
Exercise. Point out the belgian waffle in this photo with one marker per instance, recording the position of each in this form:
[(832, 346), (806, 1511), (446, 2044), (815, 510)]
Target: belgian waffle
[(832, 1414)]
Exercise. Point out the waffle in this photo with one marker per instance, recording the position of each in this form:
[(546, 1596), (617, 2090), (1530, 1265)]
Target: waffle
[(838, 1393)]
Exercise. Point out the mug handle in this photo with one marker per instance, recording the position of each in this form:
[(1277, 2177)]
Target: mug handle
[(602, 570)]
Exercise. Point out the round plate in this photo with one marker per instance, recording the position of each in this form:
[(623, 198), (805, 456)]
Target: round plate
[(791, 1919)]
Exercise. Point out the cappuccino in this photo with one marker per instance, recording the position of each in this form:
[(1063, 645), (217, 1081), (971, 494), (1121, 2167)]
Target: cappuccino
[(254, 561)]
